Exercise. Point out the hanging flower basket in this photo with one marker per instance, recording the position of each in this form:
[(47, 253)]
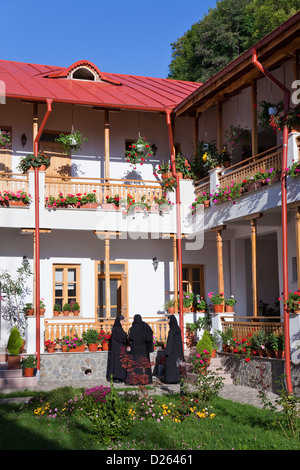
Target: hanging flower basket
[(139, 152), (71, 142)]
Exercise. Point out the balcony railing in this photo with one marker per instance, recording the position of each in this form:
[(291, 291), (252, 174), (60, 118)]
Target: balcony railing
[(202, 186), (103, 187), (54, 330), (13, 182), (243, 326), (240, 171)]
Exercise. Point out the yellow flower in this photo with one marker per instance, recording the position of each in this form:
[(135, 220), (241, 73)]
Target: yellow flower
[(204, 157)]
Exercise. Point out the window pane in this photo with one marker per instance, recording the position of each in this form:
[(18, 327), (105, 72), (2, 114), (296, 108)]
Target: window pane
[(72, 290), (196, 287), (58, 275), (185, 274), (117, 268), (196, 274), (113, 291), (71, 275), (58, 290), (58, 302)]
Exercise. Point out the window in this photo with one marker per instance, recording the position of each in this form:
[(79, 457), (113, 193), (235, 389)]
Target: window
[(83, 73), (5, 153), (118, 290), (66, 284), (193, 279)]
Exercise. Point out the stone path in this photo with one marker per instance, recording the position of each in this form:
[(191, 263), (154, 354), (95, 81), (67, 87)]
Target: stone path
[(236, 393)]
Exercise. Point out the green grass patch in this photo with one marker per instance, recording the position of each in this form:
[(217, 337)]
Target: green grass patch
[(56, 421)]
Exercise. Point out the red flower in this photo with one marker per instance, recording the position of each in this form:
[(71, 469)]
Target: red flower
[(247, 359)]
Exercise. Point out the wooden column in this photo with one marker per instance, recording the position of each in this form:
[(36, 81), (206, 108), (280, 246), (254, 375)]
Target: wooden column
[(175, 273), (220, 127), (297, 216), (107, 275), (254, 117), (106, 151), (35, 129), (219, 241), (253, 224)]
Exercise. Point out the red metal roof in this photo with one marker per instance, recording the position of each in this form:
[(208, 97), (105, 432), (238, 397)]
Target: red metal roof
[(40, 82)]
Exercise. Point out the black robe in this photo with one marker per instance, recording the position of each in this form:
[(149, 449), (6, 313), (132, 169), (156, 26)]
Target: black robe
[(141, 342), (118, 350), (173, 351)]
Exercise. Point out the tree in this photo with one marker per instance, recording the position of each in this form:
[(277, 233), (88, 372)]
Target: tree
[(227, 31), (14, 292)]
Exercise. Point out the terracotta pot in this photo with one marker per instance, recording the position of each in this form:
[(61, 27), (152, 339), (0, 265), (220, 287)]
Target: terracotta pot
[(228, 308), (90, 205), (17, 203), (64, 348), (76, 313), (42, 311), (80, 348), (51, 350), (106, 205), (180, 175), (28, 371), (56, 313), (218, 308), (30, 312), (279, 354), (42, 168), (171, 310), (93, 347), (214, 353), (66, 313), (275, 178), (105, 346), (13, 362), (206, 204)]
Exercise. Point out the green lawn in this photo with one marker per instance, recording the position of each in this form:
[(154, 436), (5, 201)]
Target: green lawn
[(228, 425)]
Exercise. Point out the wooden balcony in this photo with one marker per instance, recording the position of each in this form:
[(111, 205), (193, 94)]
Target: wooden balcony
[(103, 187), (243, 326), (13, 182), (58, 329), (247, 168)]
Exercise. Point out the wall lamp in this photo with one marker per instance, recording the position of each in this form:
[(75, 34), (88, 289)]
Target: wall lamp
[(23, 139), (155, 263)]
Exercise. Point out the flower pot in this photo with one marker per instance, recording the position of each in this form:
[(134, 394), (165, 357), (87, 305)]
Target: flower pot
[(13, 362), (186, 309), (51, 350), (279, 354), (30, 312), (229, 308), (42, 168), (80, 348), (214, 353), (109, 206), (76, 313), (275, 178), (218, 308), (171, 310), (93, 347), (105, 346), (42, 311), (28, 371), (206, 204), (64, 348), (66, 313), (180, 175), (17, 203), (56, 313), (89, 205)]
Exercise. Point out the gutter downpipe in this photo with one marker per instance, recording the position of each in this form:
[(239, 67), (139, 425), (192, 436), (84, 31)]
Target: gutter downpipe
[(257, 64), (178, 223), (37, 234)]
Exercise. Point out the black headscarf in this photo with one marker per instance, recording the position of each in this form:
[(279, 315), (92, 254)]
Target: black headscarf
[(173, 324), (118, 321)]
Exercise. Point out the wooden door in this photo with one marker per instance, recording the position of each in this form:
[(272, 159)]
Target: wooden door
[(60, 163)]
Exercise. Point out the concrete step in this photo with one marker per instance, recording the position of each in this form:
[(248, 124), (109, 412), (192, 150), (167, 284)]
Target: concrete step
[(13, 378)]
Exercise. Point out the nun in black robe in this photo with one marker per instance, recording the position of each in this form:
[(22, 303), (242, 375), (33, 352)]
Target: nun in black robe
[(173, 352), (119, 343), (141, 342)]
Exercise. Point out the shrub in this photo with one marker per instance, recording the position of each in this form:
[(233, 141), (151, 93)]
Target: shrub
[(15, 342), (205, 343)]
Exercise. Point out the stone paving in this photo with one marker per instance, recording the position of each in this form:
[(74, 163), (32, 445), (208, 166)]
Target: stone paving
[(236, 393)]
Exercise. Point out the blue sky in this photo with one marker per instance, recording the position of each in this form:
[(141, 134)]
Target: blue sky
[(120, 36)]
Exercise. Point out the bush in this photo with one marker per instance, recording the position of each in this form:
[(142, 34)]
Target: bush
[(91, 336), (15, 342), (205, 343)]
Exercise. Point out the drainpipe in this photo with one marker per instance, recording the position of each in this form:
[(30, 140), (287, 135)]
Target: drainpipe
[(37, 233), (286, 91), (178, 223)]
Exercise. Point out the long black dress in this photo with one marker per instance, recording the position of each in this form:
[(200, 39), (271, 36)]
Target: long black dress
[(118, 349), (173, 351), (141, 342)]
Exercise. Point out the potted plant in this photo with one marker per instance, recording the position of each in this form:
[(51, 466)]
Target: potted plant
[(293, 301), (229, 304), (183, 167), (28, 309), (267, 111), (200, 304), (76, 309), (42, 307), (14, 346), (56, 310), (106, 342), (111, 202), (91, 339), (28, 364), (5, 139), (218, 301), (139, 152), (204, 199), (71, 141), (66, 309), (50, 346), (88, 201), (162, 204), (30, 162), (188, 299), (170, 306), (238, 135)]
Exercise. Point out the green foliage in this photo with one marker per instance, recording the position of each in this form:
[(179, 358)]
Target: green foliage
[(205, 343), (14, 342), (224, 33), (71, 141), (33, 161), (29, 362), (91, 336)]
